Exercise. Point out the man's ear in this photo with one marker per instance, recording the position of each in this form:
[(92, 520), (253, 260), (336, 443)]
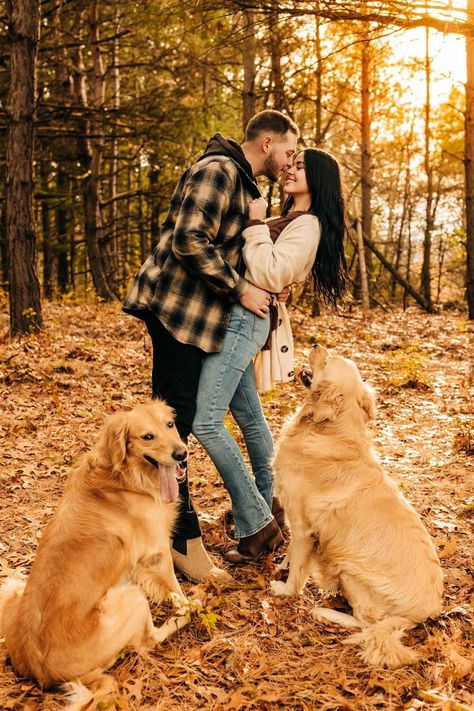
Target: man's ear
[(367, 403), (266, 143), (114, 438), (328, 400)]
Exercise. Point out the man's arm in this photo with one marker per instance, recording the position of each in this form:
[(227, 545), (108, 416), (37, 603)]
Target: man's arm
[(207, 195)]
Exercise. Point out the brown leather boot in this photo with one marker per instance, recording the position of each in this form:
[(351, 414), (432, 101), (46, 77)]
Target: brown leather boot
[(251, 547), (278, 512)]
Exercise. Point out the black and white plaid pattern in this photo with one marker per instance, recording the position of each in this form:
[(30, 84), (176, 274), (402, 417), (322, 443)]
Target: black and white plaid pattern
[(191, 280)]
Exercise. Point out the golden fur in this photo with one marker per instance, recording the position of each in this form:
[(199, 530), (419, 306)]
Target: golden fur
[(350, 526), (79, 606)]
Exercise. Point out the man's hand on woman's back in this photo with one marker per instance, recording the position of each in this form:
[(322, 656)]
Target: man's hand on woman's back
[(256, 300)]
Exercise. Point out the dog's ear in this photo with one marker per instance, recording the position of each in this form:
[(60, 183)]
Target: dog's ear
[(367, 403), (328, 399), (113, 441)]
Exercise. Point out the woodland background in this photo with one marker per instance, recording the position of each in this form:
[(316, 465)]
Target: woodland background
[(102, 107), (105, 104)]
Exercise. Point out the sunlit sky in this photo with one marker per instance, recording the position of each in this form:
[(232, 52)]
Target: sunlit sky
[(448, 55)]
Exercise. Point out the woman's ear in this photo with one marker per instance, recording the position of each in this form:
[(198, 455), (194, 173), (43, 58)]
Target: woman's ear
[(114, 439), (328, 400), (367, 403)]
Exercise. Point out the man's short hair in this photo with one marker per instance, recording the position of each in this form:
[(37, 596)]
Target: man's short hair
[(270, 121)]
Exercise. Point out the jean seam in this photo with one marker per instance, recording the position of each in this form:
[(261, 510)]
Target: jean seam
[(220, 431)]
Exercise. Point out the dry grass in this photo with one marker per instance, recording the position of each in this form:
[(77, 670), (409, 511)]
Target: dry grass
[(264, 653)]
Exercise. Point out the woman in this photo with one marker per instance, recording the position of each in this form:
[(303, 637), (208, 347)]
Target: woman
[(307, 237)]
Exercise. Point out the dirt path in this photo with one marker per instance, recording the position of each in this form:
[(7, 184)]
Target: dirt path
[(264, 653)]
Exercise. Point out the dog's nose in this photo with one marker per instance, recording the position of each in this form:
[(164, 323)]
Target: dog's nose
[(180, 454)]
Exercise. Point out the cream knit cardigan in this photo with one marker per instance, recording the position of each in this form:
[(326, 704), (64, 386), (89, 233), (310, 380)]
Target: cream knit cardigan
[(272, 266)]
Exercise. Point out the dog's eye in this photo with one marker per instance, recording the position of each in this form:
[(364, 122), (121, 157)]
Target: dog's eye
[(148, 436), (170, 423)]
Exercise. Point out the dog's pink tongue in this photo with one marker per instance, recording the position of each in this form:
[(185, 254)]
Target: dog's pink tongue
[(169, 484)]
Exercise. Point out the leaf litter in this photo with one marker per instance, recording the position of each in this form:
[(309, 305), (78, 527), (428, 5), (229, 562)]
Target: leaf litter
[(245, 649)]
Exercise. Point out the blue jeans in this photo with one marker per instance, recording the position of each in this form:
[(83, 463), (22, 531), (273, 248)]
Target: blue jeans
[(227, 380)]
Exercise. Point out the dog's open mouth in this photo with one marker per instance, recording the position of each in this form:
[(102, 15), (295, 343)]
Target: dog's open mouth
[(306, 377), (171, 476), (180, 467)]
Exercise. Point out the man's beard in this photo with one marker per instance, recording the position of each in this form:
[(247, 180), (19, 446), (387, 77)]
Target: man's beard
[(270, 168)]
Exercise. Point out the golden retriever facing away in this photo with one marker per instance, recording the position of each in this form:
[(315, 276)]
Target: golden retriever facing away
[(82, 603), (350, 526)]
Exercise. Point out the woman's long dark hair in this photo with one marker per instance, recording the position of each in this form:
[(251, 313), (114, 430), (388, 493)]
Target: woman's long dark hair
[(323, 176)]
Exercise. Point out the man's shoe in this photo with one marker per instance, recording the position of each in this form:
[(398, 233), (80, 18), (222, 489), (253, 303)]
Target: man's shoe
[(252, 547), (196, 564)]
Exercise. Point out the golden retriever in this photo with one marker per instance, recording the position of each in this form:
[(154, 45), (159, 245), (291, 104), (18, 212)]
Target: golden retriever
[(82, 603), (350, 526)]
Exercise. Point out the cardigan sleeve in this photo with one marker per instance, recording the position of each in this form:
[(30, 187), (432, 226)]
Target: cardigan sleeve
[(274, 265)]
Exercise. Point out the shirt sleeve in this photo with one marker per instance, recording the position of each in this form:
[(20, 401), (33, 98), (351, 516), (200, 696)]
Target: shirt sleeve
[(207, 195), (274, 265)]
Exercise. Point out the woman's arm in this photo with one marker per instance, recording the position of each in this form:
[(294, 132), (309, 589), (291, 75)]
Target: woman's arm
[(272, 266)]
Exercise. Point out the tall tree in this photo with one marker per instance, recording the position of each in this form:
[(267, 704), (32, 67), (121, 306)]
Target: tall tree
[(24, 288), (469, 165), (365, 142), (248, 89), (425, 285)]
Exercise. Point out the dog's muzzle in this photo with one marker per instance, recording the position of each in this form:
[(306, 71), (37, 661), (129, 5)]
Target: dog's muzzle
[(305, 376)]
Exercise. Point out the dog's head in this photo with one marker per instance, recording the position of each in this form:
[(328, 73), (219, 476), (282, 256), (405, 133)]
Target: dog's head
[(335, 383), (147, 438)]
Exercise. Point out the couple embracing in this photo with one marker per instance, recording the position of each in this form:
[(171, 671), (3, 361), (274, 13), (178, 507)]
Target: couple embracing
[(208, 295)]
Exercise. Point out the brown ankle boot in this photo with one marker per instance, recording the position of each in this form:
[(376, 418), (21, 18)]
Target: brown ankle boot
[(278, 512), (251, 547)]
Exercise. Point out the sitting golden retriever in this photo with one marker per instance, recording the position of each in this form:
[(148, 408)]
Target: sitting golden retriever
[(81, 605), (350, 526)]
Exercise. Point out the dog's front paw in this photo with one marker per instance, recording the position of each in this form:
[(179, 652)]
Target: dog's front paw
[(278, 587)]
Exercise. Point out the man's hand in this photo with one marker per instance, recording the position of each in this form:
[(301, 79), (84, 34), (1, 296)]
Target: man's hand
[(256, 300)]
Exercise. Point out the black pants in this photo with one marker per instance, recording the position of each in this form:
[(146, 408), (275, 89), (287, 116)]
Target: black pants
[(175, 378)]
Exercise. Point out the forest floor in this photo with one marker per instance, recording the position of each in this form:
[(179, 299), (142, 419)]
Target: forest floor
[(249, 650)]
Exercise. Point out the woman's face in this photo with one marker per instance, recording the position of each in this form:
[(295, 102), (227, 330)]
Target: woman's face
[(295, 177)]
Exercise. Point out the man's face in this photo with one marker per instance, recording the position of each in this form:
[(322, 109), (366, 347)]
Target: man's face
[(280, 156)]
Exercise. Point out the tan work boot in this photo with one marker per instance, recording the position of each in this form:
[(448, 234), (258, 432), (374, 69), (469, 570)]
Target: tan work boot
[(196, 564)]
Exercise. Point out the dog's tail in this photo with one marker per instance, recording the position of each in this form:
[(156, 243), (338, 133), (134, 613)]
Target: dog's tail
[(381, 643), (11, 591)]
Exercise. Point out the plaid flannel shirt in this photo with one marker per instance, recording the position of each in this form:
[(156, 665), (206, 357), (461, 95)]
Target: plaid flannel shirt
[(192, 278)]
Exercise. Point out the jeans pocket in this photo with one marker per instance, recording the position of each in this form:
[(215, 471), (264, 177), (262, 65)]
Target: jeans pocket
[(261, 329)]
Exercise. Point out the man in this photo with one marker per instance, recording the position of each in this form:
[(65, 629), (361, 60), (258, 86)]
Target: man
[(185, 290)]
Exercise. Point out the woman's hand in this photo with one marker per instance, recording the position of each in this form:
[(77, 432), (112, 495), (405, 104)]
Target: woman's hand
[(257, 209), (284, 294)]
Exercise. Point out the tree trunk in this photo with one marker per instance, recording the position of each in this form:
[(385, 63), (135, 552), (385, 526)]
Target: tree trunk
[(90, 165), (248, 89), (319, 80), (46, 230), (153, 175), (425, 285), (62, 245), (116, 266), (364, 285), (275, 40), (406, 285), (365, 154), (469, 165), (24, 288)]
